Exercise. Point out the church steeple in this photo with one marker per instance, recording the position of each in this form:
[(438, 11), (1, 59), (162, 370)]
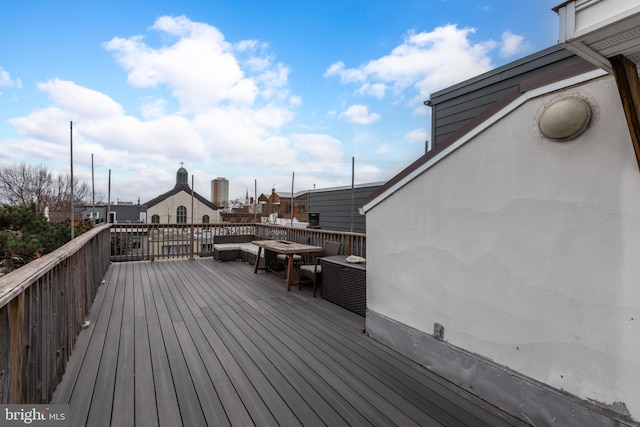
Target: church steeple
[(182, 176)]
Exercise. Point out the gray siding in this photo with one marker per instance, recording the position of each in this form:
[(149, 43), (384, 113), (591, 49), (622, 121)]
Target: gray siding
[(334, 207), (128, 213), (455, 106), (123, 213)]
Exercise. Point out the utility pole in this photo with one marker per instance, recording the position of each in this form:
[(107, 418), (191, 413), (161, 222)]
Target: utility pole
[(192, 218), (93, 193), (73, 208), (353, 164), (293, 175), (109, 198)]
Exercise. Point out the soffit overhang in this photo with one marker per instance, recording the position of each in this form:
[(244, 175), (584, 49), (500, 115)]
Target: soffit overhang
[(597, 30)]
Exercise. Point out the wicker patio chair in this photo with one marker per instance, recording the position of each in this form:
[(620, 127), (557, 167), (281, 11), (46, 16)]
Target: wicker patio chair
[(282, 260), (313, 272)]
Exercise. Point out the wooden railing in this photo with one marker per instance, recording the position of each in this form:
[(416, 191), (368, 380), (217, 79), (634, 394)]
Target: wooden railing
[(137, 242), (352, 243), (42, 308), (44, 303)]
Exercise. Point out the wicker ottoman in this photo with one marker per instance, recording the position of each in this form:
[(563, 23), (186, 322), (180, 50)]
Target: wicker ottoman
[(344, 284)]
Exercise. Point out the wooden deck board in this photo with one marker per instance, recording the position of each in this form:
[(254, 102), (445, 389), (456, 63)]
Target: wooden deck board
[(287, 355), (190, 409), (311, 388), (199, 342), (123, 400), (111, 322), (167, 410), (145, 403), (348, 386), (256, 408), (384, 380), (381, 373)]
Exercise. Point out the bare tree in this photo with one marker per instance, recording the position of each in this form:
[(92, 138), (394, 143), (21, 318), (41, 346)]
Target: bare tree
[(23, 185), (41, 180), (60, 195)]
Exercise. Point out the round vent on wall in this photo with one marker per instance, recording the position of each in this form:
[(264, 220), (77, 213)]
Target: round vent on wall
[(565, 119)]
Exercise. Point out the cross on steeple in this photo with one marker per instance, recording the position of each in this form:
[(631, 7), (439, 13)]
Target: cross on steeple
[(182, 177)]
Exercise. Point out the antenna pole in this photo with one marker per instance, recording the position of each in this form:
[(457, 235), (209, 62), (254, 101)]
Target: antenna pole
[(73, 219), (353, 163), (93, 192), (109, 199), (293, 175), (192, 216)]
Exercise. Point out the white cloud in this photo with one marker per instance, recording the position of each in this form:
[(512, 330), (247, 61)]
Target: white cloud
[(245, 136), (353, 75), (417, 135), (383, 149), (360, 114), (512, 44), (376, 90), (319, 152), (336, 69), (5, 80), (133, 146), (295, 100), (217, 106), (425, 61), (200, 67), (82, 102), (49, 124), (368, 173), (153, 109)]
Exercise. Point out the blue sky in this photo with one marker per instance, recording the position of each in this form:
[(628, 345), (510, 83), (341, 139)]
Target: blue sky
[(246, 90)]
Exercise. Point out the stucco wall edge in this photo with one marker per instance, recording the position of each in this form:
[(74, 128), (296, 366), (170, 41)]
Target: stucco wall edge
[(521, 396)]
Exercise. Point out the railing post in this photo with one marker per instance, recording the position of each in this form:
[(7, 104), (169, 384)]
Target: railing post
[(17, 349), (146, 241), (42, 306)]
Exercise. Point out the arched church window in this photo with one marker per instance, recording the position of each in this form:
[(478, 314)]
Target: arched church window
[(205, 219), (181, 215), (155, 219)]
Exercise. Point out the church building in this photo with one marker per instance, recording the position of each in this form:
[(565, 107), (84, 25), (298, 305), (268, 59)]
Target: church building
[(174, 206)]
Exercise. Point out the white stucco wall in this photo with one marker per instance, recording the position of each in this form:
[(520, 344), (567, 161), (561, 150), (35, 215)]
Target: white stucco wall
[(167, 209), (526, 250)]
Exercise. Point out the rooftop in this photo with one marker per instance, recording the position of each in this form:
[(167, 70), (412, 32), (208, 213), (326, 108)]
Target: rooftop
[(199, 342)]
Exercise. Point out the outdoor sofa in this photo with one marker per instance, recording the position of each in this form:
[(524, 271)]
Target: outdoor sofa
[(235, 247)]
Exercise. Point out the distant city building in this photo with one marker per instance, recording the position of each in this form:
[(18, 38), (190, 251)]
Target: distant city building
[(336, 209), (220, 191)]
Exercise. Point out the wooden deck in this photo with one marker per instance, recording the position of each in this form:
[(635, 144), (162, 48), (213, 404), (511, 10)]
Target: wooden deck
[(198, 342)]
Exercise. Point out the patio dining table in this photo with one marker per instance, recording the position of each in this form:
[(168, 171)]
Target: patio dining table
[(287, 248)]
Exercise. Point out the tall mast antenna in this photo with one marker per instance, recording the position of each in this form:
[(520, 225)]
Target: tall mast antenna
[(73, 219)]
